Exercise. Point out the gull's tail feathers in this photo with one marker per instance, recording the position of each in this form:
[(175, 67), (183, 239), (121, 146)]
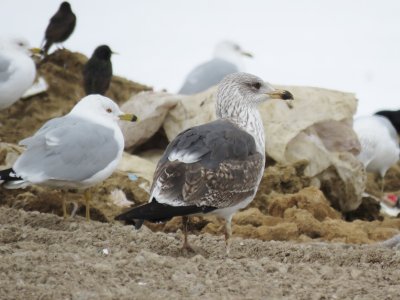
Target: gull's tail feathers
[(11, 180), (157, 212)]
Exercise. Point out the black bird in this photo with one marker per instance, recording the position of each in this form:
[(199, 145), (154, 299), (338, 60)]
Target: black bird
[(60, 27), (97, 72), (393, 116)]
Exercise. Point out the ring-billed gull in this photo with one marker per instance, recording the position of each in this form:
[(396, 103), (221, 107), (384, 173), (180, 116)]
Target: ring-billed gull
[(17, 70), (60, 27), (97, 72), (227, 60), (216, 167), (77, 150), (379, 144)]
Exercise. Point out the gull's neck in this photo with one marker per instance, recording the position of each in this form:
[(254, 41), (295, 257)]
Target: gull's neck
[(247, 118)]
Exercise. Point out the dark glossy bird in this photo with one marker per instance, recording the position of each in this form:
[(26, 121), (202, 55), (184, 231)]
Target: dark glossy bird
[(97, 72), (60, 27)]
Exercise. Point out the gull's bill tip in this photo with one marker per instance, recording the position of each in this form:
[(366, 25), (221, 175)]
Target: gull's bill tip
[(289, 103), (35, 50), (248, 54), (283, 95), (128, 117)]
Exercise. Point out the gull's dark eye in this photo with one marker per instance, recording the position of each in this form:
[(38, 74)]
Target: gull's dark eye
[(256, 85), (109, 110)]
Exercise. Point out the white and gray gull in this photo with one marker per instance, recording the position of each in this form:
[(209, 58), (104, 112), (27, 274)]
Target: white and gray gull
[(17, 70), (75, 151), (216, 167), (228, 59)]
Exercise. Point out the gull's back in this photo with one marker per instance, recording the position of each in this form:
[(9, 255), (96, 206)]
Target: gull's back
[(207, 75)]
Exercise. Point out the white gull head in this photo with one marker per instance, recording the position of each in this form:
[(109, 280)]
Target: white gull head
[(231, 52), (101, 109)]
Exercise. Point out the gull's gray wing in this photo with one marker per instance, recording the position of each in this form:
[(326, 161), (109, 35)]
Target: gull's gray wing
[(67, 148), (214, 165), (207, 75), (5, 68)]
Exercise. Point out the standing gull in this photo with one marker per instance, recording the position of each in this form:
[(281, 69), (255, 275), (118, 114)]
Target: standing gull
[(97, 71), (60, 27), (17, 70), (379, 144), (216, 167), (227, 60), (76, 151)]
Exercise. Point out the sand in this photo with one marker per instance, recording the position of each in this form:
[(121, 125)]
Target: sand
[(44, 257)]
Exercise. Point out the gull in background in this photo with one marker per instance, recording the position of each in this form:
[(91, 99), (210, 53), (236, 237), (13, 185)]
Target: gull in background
[(228, 59), (17, 70)]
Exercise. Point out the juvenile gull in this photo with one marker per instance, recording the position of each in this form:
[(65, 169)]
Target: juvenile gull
[(227, 60), (17, 70), (379, 144), (77, 150), (216, 167), (60, 27), (97, 72)]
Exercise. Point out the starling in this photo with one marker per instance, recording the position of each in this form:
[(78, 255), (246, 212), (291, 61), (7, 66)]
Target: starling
[(60, 27), (97, 72)]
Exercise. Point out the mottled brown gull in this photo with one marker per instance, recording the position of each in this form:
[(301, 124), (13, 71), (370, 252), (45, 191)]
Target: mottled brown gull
[(216, 167)]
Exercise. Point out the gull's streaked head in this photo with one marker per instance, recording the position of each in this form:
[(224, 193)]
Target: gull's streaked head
[(246, 90)]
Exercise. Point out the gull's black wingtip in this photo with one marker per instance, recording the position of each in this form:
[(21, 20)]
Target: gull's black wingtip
[(137, 223), (8, 175), (157, 212)]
